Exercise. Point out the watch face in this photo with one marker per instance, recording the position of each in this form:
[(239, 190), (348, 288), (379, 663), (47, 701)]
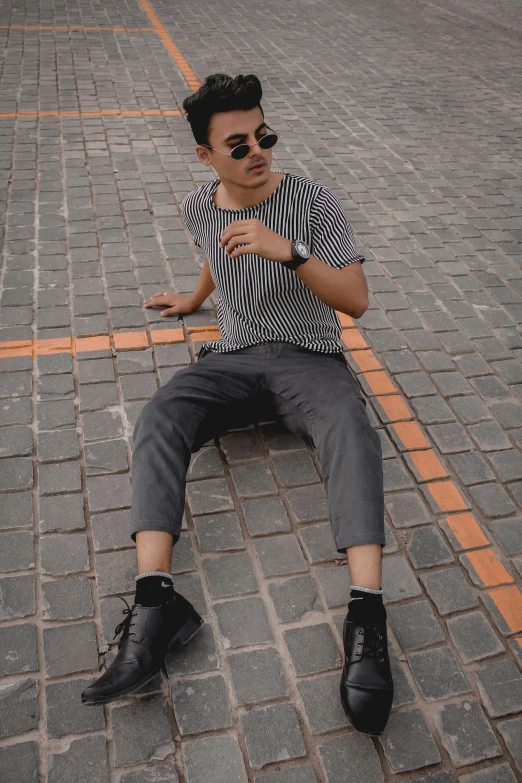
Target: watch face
[(301, 248)]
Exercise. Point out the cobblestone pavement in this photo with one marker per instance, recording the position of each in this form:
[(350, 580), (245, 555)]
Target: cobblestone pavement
[(411, 112)]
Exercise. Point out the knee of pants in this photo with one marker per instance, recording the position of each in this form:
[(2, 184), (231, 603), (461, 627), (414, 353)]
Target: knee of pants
[(348, 417), (157, 415)]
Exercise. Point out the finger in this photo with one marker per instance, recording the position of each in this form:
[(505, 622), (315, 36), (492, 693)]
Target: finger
[(170, 311), (237, 241), (156, 299), (228, 233)]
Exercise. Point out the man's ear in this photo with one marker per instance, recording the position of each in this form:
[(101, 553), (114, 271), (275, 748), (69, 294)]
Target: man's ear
[(204, 154)]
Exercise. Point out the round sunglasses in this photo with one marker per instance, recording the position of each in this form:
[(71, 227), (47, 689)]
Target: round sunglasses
[(266, 142)]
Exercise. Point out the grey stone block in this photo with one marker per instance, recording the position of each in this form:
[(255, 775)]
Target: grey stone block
[(432, 410), (499, 773), (16, 551), (280, 555), (492, 499), (398, 579), (17, 597), (209, 496), (183, 558), (141, 732), (16, 510), (500, 687), (509, 534), (300, 774), (18, 410), (407, 509), (19, 763), (507, 463), (350, 757), (511, 731), (115, 571), (466, 734), (427, 548), (159, 773), (64, 553), (415, 625), (450, 438), (438, 673), (16, 441), (258, 675), (243, 622), (308, 503), (265, 515), (108, 492), (230, 574), (18, 708), (16, 474), (111, 530), (57, 477), (319, 542), (59, 513), (18, 645), (67, 599), (201, 704), (58, 445), (471, 468), (335, 585), (199, 655), (253, 479), (473, 637), (70, 648), (312, 649), (294, 469), (272, 734), (99, 425), (222, 755), (408, 743), (63, 713), (449, 590), (218, 532), (206, 463), (242, 445), (108, 456), (292, 598), (471, 409), (85, 759), (321, 702), (395, 475)]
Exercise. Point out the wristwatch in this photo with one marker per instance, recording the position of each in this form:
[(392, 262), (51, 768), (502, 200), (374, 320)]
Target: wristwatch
[(300, 254)]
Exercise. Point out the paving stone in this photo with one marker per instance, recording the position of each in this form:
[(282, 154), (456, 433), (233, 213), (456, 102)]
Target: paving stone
[(111, 530), (473, 637), (280, 555), (492, 499), (67, 599), (100, 425), (17, 410), (209, 496), (322, 705), (427, 548), (141, 732), (511, 731), (116, 571), (65, 553), (395, 475), (471, 410), (471, 468), (408, 743), (500, 687), (108, 456), (294, 469), (218, 532), (499, 773), (243, 622), (508, 533), (300, 774), (159, 773), (58, 445), (265, 515), (201, 705), (17, 597), (432, 410), (466, 734), (16, 551), (55, 387), (230, 574), (55, 414), (17, 473), (351, 757), (95, 370), (312, 649), (206, 463), (60, 513), (85, 758), (335, 585), (253, 479), (319, 542), (62, 713), (220, 754), (308, 503), (508, 413), (272, 734), (449, 590), (508, 464), (452, 383), (450, 438), (415, 625), (183, 558), (19, 708), (108, 492), (292, 598), (95, 396), (438, 777), (242, 445), (16, 510), (258, 675), (59, 477), (70, 648), (438, 673), (489, 387), (199, 655), (16, 441), (19, 763), (169, 355), (54, 363), (407, 509), (398, 580)]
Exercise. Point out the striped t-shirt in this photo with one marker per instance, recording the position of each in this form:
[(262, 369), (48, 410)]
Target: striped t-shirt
[(260, 301)]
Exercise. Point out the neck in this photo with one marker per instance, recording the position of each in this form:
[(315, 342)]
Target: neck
[(228, 195)]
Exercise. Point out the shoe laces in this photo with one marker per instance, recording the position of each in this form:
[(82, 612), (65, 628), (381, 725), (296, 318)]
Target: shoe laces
[(370, 641), (125, 625)]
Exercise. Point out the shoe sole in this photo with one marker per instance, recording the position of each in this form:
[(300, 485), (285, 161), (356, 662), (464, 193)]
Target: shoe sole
[(183, 636)]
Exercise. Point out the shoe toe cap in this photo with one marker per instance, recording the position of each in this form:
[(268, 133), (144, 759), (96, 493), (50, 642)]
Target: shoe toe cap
[(368, 710)]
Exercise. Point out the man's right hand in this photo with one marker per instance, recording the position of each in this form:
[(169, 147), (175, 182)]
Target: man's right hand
[(177, 304)]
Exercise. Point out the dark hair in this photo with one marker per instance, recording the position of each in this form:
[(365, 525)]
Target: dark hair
[(220, 92)]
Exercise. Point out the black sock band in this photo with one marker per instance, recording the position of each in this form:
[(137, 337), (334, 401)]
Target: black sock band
[(154, 589)]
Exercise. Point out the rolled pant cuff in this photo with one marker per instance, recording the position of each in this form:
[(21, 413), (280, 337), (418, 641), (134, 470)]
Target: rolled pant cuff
[(155, 524), (349, 541)]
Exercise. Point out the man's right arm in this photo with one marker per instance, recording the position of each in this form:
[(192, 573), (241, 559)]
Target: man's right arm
[(181, 304)]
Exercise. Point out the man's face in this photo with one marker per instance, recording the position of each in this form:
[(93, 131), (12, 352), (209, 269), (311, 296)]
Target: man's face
[(226, 131)]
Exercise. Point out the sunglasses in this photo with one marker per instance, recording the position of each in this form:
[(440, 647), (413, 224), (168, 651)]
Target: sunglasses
[(266, 142)]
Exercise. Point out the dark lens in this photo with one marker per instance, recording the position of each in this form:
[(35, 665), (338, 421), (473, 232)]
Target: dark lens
[(240, 152), (268, 141)]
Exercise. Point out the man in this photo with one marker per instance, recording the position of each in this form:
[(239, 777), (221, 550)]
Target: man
[(282, 259)]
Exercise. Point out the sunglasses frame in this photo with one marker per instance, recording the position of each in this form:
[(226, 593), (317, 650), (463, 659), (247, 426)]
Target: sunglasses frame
[(244, 144)]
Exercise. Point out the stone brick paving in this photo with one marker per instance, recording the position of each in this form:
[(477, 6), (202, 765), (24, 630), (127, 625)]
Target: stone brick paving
[(412, 114)]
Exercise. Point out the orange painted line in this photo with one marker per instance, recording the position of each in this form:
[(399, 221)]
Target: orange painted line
[(466, 530), (508, 601), (395, 407), (366, 360), (84, 344), (166, 336), (427, 465), (94, 113), (353, 339), (201, 337), (447, 496), (518, 640), (346, 321), (380, 382), (490, 571), (15, 348), (53, 345), (75, 27), (188, 74), (411, 435), (123, 340)]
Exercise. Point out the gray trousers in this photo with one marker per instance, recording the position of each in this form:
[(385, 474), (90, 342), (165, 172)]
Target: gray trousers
[(314, 395)]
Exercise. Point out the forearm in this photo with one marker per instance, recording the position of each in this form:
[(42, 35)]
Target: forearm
[(204, 287), (347, 293)]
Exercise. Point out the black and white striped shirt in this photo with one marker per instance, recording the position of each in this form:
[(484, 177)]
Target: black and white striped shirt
[(260, 301)]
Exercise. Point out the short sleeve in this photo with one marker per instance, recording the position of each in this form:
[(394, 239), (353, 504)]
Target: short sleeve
[(188, 218), (333, 241)]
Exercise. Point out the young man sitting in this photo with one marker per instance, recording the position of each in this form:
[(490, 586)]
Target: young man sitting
[(282, 260)]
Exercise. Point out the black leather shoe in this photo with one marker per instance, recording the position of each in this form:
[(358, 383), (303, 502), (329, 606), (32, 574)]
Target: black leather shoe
[(148, 632), (366, 682)]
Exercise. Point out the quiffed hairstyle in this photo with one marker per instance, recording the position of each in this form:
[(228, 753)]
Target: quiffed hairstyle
[(220, 92)]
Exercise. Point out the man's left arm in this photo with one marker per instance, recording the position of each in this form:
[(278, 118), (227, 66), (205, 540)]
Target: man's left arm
[(343, 289)]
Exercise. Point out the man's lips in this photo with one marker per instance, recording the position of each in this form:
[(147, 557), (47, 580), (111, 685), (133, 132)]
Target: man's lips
[(257, 166)]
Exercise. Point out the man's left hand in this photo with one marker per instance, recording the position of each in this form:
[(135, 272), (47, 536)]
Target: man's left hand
[(242, 237)]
